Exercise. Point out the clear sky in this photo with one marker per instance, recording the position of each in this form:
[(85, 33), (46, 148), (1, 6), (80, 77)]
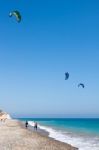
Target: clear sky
[(54, 36)]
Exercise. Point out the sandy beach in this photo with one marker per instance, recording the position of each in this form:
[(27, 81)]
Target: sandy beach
[(14, 136)]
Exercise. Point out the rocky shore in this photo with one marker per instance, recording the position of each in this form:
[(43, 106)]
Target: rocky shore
[(14, 136)]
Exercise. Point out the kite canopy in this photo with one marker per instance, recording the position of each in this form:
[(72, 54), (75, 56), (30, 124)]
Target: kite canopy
[(16, 14), (81, 84), (66, 75)]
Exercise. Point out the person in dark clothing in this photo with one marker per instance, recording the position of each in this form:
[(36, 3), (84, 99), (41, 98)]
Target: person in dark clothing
[(26, 124)]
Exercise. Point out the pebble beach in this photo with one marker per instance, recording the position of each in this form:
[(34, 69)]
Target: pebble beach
[(14, 136)]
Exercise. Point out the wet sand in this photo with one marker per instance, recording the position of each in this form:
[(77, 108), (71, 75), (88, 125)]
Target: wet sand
[(14, 136)]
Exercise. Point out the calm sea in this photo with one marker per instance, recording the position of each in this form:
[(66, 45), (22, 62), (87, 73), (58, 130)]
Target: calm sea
[(82, 133)]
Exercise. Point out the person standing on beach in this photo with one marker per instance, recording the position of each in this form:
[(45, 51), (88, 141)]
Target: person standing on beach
[(26, 124), (35, 126)]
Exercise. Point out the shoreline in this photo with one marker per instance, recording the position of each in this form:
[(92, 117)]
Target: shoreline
[(45, 133), (77, 138), (14, 136)]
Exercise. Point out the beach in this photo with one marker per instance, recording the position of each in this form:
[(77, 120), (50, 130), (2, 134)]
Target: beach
[(14, 136), (80, 133)]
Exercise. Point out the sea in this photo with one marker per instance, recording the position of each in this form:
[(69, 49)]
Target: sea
[(81, 133)]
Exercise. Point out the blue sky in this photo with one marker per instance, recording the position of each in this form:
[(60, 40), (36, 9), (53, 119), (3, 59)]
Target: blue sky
[(53, 37)]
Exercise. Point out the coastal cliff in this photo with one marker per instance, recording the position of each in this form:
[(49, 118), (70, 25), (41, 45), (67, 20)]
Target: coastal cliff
[(4, 115)]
